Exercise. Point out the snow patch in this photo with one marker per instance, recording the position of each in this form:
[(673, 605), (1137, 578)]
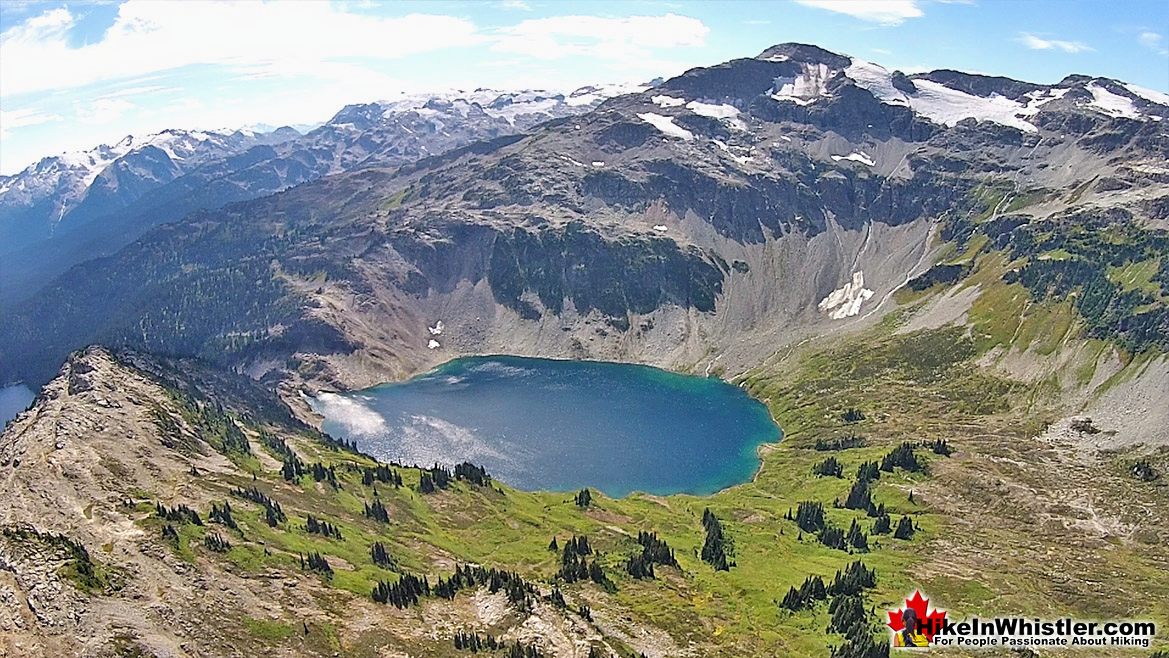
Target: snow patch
[(728, 113), (938, 102), (436, 330), (662, 100), (666, 125), (433, 344), (877, 80), (845, 302), (804, 88), (1148, 94), (1112, 104), (661, 228), (856, 157), (949, 106)]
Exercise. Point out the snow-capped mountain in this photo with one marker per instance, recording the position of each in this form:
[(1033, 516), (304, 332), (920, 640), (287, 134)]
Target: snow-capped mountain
[(68, 208), (36, 201), (947, 97)]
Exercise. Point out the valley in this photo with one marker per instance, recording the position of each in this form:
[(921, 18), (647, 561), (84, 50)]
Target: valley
[(949, 290)]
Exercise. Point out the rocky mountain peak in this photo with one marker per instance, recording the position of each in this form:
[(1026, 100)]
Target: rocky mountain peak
[(804, 53)]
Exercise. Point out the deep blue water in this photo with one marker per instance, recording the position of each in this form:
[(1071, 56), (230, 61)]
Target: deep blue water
[(562, 425)]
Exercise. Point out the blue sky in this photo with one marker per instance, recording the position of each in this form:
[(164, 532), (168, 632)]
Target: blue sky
[(74, 75)]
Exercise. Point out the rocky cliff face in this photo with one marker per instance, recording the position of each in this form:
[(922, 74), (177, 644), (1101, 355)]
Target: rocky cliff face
[(701, 224)]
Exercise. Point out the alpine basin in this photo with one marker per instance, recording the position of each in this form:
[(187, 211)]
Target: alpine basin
[(561, 425)]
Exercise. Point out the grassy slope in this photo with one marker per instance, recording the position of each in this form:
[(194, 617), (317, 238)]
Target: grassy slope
[(980, 549)]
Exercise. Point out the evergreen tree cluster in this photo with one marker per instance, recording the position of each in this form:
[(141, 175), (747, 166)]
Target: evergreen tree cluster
[(833, 537), (856, 537), (403, 593), (1097, 243), (852, 415), (520, 593), (830, 467), (321, 527), (169, 534), (869, 470), (902, 456), (904, 529), (882, 525), (854, 579), (316, 562), (292, 469), (839, 443), (860, 497), (939, 447), (213, 541), (806, 596), (223, 515), (213, 425), (849, 617), (557, 598), (475, 643), (655, 550), (809, 516), (377, 511), (273, 514), (276, 445), (380, 556), (322, 473), (476, 475), (574, 565), (717, 548), (380, 473), (178, 514), (434, 478), (584, 498)]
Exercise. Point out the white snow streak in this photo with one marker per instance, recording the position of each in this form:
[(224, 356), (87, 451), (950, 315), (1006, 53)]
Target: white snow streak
[(666, 125)]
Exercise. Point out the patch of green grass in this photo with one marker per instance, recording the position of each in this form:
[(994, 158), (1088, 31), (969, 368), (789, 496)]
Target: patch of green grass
[(268, 630)]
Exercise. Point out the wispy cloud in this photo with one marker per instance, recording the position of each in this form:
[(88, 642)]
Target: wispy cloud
[(629, 39), (1154, 41), (150, 37), (21, 118), (1035, 42), (103, 110), (883, 12), (515, 5)]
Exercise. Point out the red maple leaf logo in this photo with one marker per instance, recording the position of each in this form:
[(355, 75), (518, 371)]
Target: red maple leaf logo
[(929, 621)]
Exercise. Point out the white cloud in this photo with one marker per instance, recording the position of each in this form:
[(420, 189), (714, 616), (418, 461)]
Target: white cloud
[(1039, 43), (103, 110), (22, 118), (150, 37), (1153, 41), (884, 12), (629, 38), (516, 5)]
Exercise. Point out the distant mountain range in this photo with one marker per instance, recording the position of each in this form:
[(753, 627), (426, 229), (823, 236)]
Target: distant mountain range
[(72, 207)]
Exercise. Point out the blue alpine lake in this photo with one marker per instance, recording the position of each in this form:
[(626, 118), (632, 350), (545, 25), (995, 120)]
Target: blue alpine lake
[(561, 425)]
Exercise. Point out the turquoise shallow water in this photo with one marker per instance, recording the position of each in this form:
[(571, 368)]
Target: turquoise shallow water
[(562, 425)]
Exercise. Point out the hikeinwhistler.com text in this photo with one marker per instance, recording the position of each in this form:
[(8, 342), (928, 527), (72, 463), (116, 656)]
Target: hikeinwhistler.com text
[(1008, 632)]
